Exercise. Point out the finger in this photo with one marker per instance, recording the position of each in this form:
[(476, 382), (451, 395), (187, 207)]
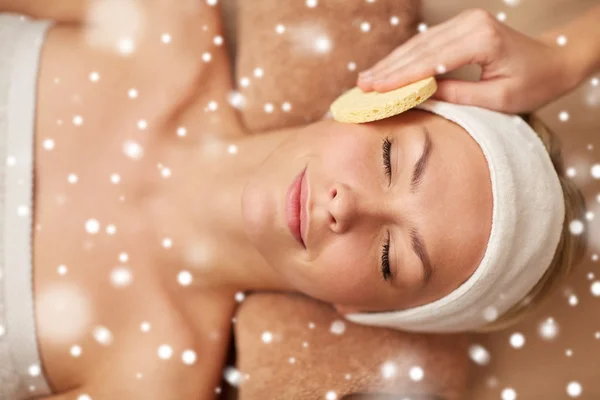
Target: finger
[(458, 52), (420, 42), (481, 94), (414, 45), (443, 54)]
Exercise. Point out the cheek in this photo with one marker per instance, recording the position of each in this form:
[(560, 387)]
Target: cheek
[(349, 153), (343, 273)]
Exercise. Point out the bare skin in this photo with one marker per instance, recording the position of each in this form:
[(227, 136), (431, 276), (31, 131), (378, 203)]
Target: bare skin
[(170, 210), (167, 79)]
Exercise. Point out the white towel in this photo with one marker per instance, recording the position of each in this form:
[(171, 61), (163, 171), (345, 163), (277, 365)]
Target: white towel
[(527, 221)]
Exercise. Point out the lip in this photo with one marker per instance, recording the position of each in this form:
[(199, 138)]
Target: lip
[(295, 207)]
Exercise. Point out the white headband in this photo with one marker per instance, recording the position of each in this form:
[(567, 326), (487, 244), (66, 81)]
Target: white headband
[(527, 221)]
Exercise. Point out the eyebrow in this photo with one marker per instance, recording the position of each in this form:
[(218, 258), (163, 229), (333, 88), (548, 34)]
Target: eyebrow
[(416, 239)]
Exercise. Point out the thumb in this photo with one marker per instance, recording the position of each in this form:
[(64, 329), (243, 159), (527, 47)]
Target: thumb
[(485, 94)]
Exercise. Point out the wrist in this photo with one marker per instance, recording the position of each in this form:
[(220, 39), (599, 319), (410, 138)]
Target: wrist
[(581, 61), (576, 61)]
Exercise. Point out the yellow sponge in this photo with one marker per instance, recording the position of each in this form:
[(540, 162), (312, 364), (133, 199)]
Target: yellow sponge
[(356, 106)]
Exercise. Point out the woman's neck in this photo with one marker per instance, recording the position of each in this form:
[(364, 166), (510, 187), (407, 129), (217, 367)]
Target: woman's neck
[(197, 213)]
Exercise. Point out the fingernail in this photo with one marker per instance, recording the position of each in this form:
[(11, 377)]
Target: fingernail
[(365, 74)]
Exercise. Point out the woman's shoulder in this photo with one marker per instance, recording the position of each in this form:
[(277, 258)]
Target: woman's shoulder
[(168, 353)]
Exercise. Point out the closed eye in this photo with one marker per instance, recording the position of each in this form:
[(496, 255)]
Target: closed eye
[(386, 150)]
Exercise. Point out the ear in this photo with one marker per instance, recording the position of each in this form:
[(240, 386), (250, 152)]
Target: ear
[(343, 310)]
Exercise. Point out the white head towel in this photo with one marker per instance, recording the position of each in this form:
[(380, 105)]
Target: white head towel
[(527, 221)]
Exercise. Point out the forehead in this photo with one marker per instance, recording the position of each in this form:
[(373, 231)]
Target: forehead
[(453, 209)]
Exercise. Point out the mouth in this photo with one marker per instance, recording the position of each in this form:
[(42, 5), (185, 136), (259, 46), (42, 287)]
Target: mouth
[(295, 207)]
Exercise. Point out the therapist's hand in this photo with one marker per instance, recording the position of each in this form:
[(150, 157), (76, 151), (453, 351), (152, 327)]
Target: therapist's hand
[(519, 73)]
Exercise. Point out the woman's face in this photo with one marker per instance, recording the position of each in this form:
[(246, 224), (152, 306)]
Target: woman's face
[(375, 236)]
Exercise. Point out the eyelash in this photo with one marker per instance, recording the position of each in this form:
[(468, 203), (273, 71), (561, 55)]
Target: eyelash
[(385, 264), (386, 148)]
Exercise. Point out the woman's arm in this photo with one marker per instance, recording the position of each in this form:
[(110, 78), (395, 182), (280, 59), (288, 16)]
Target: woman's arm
[(65, 11), (582, 49)]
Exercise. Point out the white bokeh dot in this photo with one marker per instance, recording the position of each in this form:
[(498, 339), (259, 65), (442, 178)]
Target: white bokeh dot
[(133, 150), (576, 227), (563, 116), (416, 373), (167, 243), (267, 337), (548, 329), (574, 389), (34, 370), (125, 45), (181, 131), (75, 351), (422, 27), (184, 278), (244, 81), (394, 20), (595, 171), (94, 77), (121, 277), (479, 354), (103, 335), (165, 352), (77, 120), (595, 288), (509, 394), (92, 226), (389, 370), (573, 300), (132, 93), (240, 296), (517, 340), (165, 38), (331, 395), (145, 326), (365, 26), (213, 105), (338, 327), (188, 357), (48, 144), (561, 40), (311, 3), (206, 56), (72, 178)]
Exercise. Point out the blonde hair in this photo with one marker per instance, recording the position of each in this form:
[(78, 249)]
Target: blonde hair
[(571, 247)]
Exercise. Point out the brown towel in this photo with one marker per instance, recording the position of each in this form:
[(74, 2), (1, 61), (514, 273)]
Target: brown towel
[(313, 351), (294, 71)]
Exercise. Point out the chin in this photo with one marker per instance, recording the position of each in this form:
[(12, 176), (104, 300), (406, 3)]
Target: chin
[(258, 207)]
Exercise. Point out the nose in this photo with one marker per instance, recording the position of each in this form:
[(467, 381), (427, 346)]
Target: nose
[(346, 208)]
